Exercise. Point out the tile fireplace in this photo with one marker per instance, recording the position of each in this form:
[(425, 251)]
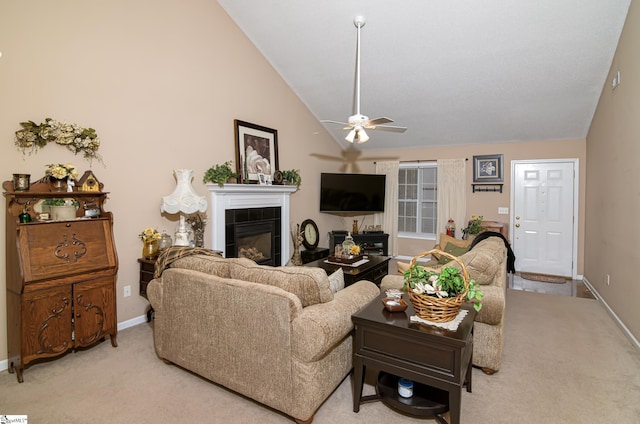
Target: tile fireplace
[(249, 219)]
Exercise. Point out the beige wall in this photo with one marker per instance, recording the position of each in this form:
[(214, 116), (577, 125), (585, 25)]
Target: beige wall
[(613, 175), (161, 82), (487, 203)]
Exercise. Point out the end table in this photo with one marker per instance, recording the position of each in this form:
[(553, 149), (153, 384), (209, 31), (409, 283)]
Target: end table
[(147, 269)]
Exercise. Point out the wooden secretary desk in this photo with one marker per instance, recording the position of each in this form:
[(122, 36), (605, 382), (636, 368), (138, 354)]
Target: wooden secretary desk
[(61, 276)]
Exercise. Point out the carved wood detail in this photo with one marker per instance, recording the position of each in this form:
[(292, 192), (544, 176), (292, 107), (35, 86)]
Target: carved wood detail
[(63, 246)]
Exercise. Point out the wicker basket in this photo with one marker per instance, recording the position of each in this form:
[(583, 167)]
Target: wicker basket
[(437, 309)]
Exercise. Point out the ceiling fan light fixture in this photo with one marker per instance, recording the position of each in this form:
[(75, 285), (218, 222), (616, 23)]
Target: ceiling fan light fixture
[(350, 136), (358, 135), (362, 136)]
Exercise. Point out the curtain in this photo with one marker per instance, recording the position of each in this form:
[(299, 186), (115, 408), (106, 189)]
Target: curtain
[(452, 200), (389, 219)]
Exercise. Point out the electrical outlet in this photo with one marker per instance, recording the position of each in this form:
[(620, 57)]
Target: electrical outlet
[(127, 291)]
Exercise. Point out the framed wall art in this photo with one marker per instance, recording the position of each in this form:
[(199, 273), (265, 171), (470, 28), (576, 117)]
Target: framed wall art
[(488, 169), (256, 151)]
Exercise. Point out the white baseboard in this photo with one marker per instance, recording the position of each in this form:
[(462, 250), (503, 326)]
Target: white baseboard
[(613, 315), (132, 322), (4, 364)]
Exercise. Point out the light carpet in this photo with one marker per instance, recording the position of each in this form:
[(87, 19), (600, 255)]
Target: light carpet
[(565, 361)]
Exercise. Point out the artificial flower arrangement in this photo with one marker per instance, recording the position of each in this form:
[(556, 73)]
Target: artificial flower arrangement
[(474, 226), (448, 284), (354, 250), (62, 171), (150, 234), (74, 137)]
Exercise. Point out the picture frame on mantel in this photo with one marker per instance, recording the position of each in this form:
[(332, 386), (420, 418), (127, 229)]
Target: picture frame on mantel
[(256, 151), (488, 169)]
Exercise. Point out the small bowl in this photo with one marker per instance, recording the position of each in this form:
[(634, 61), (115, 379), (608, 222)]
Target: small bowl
[(393, 304)]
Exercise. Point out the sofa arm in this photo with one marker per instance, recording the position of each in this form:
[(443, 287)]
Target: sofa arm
[(493, 305), (321, 326)]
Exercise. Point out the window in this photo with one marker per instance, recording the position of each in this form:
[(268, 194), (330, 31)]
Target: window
[(417, 199)]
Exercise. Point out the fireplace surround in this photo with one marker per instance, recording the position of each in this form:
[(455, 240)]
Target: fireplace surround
[(249, 197)]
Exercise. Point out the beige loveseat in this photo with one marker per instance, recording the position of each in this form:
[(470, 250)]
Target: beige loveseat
[(487, 264), (277, 335)]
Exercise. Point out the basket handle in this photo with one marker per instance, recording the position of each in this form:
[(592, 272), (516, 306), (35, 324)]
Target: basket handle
[(463, 267)]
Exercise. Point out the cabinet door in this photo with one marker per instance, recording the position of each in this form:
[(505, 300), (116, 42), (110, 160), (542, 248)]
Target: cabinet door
[(46, 323), (95, 310)]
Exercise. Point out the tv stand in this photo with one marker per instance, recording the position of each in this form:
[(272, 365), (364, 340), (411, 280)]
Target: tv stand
[(372, 243)]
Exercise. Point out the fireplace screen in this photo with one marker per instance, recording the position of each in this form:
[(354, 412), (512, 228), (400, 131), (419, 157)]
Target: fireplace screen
[(255, 241)]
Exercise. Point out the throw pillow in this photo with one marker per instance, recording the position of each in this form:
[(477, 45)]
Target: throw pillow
[(454, 250), (336, 281), (446, 239)]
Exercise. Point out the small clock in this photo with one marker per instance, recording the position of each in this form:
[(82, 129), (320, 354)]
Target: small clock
[(277, 178), (309, 231)]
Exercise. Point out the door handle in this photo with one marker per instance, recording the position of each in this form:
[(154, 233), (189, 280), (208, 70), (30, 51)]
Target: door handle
[(517, 225)]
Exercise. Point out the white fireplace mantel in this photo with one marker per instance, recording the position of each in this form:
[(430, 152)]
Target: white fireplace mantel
[(241, 196)]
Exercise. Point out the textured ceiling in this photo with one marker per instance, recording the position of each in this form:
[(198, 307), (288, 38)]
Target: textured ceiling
[(453, 72)]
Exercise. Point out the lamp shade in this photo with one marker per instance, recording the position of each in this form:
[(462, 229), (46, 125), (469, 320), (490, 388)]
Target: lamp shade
[(184, 198)]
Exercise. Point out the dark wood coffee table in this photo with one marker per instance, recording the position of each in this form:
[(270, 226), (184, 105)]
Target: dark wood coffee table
[(374, 270), (438, 359)]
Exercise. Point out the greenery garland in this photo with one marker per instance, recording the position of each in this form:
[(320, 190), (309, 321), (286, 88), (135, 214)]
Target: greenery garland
[(33, 136)]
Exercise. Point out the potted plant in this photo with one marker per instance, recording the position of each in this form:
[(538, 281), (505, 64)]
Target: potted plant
[(220, 174), (61, 208), (150, 238), (473, 227), (292, 177)]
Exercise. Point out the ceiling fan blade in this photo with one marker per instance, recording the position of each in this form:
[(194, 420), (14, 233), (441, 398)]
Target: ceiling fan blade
[(328, 121), (389, 128), (378, 121), (326, 157)]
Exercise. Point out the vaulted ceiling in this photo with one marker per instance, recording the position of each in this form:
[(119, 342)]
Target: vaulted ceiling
[(454, 72)]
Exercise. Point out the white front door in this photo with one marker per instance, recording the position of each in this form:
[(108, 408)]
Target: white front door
[(544, 216)]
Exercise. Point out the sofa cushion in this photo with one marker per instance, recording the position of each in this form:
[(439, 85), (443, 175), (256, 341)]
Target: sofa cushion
[(484, 260), (310, 284), (213, 265)]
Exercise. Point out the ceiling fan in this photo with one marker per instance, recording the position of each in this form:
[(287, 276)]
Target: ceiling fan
[(350, 158), (358, 123)]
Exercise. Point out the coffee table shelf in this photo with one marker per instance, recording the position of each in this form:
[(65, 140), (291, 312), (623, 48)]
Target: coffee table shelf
[(426, 401)]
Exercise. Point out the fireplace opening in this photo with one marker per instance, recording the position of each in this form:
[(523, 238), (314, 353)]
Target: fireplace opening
[(254, 233), (255, 241)]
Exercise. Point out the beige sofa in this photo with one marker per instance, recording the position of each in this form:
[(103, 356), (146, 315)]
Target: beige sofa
[(487, 264), (277, 335)]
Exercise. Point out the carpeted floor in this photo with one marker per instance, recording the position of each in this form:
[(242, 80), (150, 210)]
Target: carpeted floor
[(565, 361)]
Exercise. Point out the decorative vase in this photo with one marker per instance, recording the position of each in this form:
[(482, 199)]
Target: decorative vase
[(150, 249), (57, 185)]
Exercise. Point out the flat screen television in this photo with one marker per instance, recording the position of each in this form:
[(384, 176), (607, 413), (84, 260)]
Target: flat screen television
[(353, 193)]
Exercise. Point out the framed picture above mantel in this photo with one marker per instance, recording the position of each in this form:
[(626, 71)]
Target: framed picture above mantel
[(488, 169), (256, 151)]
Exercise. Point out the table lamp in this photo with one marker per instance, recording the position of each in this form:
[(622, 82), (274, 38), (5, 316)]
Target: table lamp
[(183, 200)]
